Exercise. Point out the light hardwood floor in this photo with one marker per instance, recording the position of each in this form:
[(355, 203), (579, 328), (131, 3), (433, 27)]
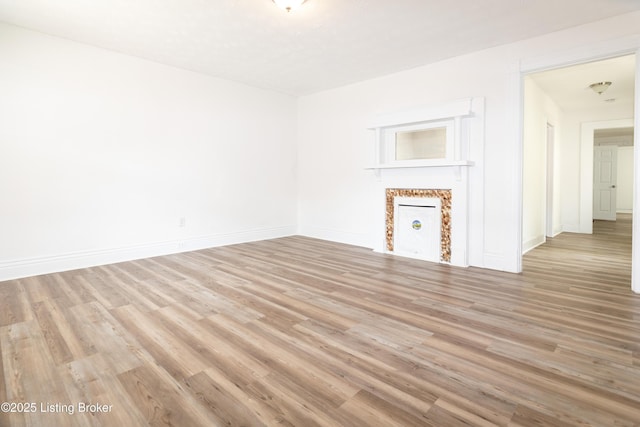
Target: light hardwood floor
[(303, 332)]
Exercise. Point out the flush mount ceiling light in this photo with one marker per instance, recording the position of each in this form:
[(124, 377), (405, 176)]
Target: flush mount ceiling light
[(289, 5), (600, 87)]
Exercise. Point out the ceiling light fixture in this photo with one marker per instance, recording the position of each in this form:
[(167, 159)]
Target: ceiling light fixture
[(600, 87), (289, 5)]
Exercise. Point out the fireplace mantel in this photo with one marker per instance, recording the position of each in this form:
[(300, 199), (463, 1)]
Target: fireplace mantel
[(446, 176), (434, 137)]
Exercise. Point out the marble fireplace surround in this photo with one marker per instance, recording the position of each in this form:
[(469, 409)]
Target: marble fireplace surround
[(445, 215)]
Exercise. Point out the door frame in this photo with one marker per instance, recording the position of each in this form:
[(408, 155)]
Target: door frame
[(550, 169), (584, 54), (586, 167)]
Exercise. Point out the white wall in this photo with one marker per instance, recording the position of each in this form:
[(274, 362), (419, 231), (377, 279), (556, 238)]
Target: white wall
[(539, 109), (337, 196), (102, 155), (624, 201)]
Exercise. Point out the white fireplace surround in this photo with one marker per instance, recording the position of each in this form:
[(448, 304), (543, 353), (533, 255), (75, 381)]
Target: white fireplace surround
[(451, 173)]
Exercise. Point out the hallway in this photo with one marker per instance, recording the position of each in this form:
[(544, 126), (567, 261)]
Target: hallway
[(605, 257)]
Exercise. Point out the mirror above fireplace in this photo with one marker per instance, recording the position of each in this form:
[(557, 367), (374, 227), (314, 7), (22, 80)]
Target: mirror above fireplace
[(424, 137)]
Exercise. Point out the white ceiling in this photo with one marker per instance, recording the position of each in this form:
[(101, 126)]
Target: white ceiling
[(324, 44), (569, 87)]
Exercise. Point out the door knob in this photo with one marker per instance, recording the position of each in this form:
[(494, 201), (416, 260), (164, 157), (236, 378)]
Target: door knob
[(613, 186)]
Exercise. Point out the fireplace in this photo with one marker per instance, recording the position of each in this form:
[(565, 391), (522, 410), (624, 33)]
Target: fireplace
[(418, 223), (422, 159)]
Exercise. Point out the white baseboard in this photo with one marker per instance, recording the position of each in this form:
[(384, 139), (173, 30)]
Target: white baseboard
[(338, 236), (571, 228), (532, 243), (500, 262), (19, 268), (556, 233)]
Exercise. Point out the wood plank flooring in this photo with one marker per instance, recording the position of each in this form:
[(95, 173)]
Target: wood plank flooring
[(303, 332)]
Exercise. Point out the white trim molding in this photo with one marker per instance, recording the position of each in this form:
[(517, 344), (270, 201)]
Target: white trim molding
[(635, 242)]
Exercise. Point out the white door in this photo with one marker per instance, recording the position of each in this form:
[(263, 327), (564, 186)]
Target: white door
[(605, 160)]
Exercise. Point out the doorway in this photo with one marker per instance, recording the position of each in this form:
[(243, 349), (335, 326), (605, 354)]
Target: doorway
[(613, 172), (573, 163), (588, 133), (605, 178)]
